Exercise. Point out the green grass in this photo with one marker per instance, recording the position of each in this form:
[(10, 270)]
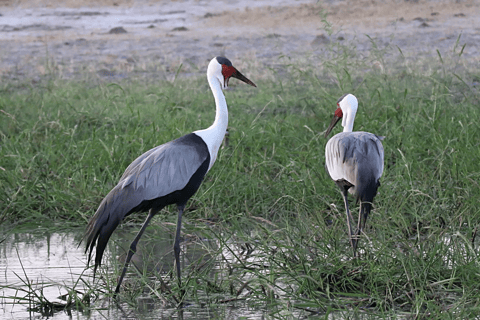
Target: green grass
[(278, 219)]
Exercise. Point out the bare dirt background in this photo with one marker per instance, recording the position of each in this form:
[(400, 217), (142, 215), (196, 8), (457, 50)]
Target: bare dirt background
[(61, 36)]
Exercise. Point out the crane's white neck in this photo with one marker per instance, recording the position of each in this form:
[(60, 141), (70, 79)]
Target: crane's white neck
[(347, 122), (213, 135), (349, 106)]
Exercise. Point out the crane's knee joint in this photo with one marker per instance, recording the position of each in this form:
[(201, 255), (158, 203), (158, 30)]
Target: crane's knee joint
[(176, 248), (133, 248)]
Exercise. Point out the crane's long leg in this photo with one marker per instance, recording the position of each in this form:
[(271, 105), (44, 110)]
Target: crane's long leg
[(365, 208), (353, 238), (362, 216), (133, 248), (176, 245)]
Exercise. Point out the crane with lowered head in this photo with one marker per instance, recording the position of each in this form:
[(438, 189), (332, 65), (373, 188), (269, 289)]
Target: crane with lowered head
[(354, 160)]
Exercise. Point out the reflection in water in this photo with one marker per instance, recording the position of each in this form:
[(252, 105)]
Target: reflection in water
[(48, 261), (154, 253), (54, 261)]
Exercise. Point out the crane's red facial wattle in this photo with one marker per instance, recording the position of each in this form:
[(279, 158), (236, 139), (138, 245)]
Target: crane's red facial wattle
[(337, 116), (230, 71), (338, 113), (227, 72)]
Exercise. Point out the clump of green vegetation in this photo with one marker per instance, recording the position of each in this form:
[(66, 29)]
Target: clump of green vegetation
[(276, 217)]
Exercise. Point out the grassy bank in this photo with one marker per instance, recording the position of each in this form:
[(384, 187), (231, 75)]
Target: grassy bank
[(278, 219)]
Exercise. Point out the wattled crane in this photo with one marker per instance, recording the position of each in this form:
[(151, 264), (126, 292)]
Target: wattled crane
[(354, 161), (168, 174)]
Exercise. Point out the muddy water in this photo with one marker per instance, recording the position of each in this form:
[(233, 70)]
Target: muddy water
[(160, 35), (52, 261), (19, 22), (71, 41), (42, 258)]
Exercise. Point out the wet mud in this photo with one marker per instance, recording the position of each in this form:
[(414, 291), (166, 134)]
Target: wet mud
[(126, 38)]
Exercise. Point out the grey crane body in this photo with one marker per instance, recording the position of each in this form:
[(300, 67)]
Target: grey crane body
[(147, 184), (358, 157), (354, 160), (168, 174)]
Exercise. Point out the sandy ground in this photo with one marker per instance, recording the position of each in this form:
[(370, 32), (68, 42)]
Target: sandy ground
[(37, 37)]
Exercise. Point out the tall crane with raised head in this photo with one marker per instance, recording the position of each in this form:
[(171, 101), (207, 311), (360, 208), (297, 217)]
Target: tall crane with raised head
[(354, 161), (168, 174)]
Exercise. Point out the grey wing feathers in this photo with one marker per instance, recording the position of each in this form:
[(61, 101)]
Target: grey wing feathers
[(355, 157), (366, 150), (165, 169), (156, 173)]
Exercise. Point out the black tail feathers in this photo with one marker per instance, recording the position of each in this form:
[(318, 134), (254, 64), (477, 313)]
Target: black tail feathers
[(100, 228)]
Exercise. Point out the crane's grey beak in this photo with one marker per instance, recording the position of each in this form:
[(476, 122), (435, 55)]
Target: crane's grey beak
[(332, 124), (240, 76)]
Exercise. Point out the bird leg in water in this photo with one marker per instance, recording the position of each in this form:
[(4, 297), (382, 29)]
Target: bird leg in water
[(133, 249), (176, 245), (353, 238)]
